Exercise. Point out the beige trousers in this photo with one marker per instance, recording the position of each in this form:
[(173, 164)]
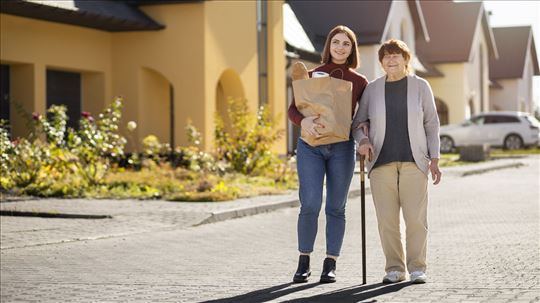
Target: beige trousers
[(401, 185)]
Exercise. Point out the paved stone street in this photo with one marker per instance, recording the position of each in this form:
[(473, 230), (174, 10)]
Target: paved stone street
[(483, 247)]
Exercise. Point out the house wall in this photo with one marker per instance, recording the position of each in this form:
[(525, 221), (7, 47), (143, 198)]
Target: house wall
[(175, 58), (526, 90), (32, 46), (277, 77), (207, 52), (507, 97), (399, 26), (230, 44), (477, 72), (516, 94), (369, 62), (451, 89)]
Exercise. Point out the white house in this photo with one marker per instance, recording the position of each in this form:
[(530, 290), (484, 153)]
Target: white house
[(457, 57), (307, 23), (512, 74)]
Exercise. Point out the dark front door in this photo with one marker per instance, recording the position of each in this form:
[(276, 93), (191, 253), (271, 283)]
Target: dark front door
[(4, 94), (64, 88)]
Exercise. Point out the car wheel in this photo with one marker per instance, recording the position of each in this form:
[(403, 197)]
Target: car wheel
[(513, 142), (447, 144)]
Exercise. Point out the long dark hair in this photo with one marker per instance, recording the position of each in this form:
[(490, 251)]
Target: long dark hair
[(353, 61)]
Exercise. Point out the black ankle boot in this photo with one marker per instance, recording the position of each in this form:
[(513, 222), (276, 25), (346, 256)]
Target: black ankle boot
[(329, 271), (303, 272)]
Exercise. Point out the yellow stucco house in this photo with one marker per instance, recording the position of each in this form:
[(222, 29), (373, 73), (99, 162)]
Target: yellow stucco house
[(172, 61)]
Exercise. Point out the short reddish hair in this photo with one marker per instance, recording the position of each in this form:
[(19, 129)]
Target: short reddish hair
[(353, 61), (395, 46)]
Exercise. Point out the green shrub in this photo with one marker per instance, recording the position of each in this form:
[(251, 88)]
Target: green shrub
[(81, 162), (69, 161), (246, 144), (194, 158)]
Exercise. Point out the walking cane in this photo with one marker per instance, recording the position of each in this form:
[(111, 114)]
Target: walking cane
[(363, 215)]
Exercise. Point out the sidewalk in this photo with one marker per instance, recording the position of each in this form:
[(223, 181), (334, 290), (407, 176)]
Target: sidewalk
[(483, 247), (124, 217)]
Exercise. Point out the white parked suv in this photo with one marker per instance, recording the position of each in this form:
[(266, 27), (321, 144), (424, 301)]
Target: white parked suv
[(510, 130)]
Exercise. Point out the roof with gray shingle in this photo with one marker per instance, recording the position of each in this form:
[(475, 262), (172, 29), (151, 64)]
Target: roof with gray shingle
[(452, 26), (367, 19), (513, 44), (104, 15)]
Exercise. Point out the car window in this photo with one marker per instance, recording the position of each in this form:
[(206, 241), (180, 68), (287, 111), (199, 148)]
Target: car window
[(477, 120), (491, 119), (507, 119)]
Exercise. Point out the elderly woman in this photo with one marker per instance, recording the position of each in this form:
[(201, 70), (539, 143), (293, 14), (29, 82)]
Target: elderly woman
[(404, 141)]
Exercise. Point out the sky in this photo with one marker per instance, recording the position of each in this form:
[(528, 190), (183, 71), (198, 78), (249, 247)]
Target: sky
[(513, 13)]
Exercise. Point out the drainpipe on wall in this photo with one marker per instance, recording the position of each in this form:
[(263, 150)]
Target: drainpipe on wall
[(171, 111), (262, 50)]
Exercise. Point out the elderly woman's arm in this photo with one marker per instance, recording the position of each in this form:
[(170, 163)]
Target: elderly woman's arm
[(360, 122), (431, 122), (360, 127), (432, 128)]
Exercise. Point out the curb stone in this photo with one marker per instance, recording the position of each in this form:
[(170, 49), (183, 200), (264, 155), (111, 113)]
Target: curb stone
[(488, 169), (223, 215), (253, 210), (17, 213)]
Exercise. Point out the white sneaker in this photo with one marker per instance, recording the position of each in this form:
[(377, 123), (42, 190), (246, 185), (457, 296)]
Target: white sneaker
[(418, 277), (394, 277)]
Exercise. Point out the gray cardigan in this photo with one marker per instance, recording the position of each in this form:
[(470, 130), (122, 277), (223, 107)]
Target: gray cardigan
[(423, 121)]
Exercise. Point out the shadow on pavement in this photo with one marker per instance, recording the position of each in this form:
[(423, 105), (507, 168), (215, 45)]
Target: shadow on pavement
[(346, 295), (266, 294), (355, 294)]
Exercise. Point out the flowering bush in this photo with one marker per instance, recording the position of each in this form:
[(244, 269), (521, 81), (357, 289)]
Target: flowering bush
[(81, 156), (83, 162)]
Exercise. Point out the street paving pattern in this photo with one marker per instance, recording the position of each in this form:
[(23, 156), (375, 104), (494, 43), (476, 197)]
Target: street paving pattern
[(483, 247)]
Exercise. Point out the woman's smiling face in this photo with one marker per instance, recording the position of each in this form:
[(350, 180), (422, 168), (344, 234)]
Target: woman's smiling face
[(340, 48), (393, 63)]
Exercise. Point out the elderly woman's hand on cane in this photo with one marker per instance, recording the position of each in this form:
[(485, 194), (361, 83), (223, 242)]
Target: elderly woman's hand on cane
[(366, 149)]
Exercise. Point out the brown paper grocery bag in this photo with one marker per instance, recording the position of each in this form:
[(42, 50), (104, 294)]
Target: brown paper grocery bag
[(331, 98)]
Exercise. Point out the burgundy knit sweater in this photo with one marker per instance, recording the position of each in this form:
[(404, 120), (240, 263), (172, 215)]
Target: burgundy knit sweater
[(359, 84)]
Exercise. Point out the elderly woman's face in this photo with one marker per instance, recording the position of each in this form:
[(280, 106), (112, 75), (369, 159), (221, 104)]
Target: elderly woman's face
[(340, 48), (393, 63)]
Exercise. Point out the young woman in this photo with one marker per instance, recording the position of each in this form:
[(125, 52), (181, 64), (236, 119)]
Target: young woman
[(404, 138), (333, 161)]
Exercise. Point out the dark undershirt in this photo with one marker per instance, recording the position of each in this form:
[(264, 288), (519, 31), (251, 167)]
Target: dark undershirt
[(396, 146)]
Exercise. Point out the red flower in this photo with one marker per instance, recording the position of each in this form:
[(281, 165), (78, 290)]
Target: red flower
[(35, 116), (86, 115)]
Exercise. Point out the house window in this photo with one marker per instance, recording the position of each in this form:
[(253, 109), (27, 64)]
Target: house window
[(4, 94), (64, 88)]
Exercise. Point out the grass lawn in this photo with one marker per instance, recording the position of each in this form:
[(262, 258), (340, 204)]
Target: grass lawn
[(452, 159), (517, 152)]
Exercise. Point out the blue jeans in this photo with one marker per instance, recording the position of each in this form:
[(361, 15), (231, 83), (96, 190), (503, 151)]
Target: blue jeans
[(336, 162)]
